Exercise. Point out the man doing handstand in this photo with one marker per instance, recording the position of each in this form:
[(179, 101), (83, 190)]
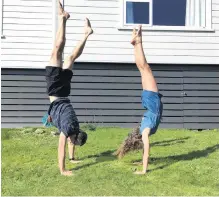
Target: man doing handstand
[(58, 78)]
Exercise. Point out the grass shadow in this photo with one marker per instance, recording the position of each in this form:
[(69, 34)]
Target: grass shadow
[(99, 158), (170, 142), (169, 160), (105, 153)]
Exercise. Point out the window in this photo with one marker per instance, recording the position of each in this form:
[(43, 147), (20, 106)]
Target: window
[(138, 12), (167, 14)]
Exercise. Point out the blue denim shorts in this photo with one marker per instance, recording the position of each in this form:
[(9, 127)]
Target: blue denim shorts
[(151, 119)]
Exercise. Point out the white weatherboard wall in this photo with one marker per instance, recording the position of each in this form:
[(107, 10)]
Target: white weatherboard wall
[(28, 33), (109, 44), (28, 27)]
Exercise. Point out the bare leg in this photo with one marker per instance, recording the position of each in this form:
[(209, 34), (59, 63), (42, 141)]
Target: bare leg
[(56, 57), (148, 80), (68, 63)]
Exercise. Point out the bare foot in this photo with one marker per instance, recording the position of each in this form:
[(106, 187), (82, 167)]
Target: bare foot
[(137, 36), (87, 27), (62, 12)]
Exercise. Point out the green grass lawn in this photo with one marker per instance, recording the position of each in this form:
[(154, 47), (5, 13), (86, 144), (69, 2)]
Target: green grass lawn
[(181, 163)]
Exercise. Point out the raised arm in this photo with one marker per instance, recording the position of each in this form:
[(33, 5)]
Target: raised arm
[(146, 149), (145, 139), (61, 155), (71, 152)]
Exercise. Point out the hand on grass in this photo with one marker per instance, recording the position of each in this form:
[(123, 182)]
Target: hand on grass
[(67, 173), (75, 161), (138, 163), (140, 172)]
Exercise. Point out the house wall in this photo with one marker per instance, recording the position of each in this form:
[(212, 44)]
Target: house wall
[(110, 94), (109, 44), (28, 33), (29, 29), (107, 92)]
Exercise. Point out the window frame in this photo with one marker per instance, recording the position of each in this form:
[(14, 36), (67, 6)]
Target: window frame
[(150, 12), (124, 26)]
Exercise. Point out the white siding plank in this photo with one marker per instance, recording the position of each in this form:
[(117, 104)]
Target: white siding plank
[(215, 26), (28, 40), (121, 45), (148, 39), (111, 51), (118, 46), (27, 21), (27, 46), (106, 24), (46, 52), (114, 31), (94, 9), (77, 23), (28, 3), (117, 59), (24, 64), (27, 15), (25, 33), (28, 58), (215, 7), (152, 52), (215, 2), (215, 20), (94, 17), (151, 59), (27, 9), (28, 27), (215, 13), (96, 4)]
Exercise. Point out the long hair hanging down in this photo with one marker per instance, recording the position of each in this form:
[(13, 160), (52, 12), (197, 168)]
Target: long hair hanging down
[(132, 142)]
